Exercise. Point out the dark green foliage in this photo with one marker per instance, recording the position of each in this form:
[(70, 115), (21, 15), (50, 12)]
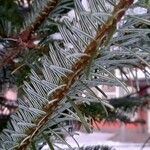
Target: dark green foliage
[(121, 105), (96, 111), (3, 123), (10, 17)]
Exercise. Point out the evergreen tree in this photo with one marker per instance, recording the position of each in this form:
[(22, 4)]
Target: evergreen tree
[(55, 76)]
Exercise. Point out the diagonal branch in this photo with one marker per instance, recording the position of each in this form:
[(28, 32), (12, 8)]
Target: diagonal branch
[(39, 20), (25, 39), (51, 5), (77, 69)]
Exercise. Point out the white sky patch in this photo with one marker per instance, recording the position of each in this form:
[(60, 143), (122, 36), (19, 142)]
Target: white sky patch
[(56, 36), (139, 10), (71, 15), (26, 4), (68, 45), (36, 42), (85, 5)]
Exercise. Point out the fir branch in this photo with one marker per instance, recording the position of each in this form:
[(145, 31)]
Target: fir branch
[(77, 69), (51, 5), (120, 111), (39, 20), (129, 102), (25, 38)]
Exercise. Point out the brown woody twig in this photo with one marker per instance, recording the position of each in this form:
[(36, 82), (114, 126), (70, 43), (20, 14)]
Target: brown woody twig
[(25, 38), (77, 69)]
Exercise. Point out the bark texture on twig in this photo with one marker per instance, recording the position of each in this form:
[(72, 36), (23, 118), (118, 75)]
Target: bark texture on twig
[(77, 69)]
